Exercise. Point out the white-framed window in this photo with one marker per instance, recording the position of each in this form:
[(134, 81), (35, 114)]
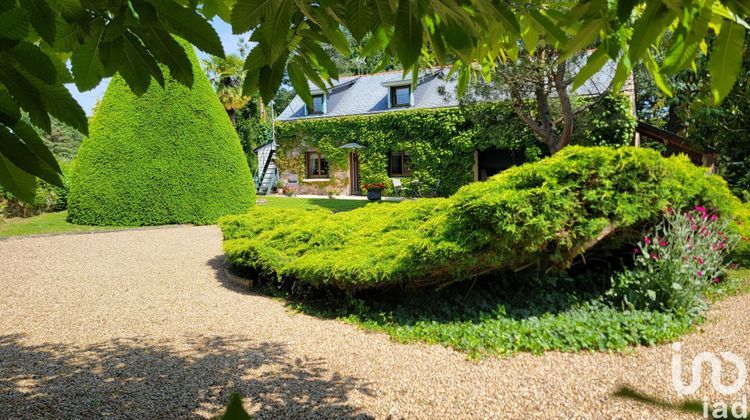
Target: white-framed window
[(319, 105), (400, 96)]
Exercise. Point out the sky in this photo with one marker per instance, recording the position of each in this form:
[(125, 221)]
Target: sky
[(88, 99)]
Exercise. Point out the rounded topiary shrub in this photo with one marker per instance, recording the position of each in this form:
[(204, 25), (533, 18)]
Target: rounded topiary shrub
[(168, 156)]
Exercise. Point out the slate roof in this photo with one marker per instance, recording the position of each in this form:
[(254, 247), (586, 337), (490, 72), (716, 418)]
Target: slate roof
[(365, 94)]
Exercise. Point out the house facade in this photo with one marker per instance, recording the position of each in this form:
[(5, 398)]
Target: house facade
[(385, 128)]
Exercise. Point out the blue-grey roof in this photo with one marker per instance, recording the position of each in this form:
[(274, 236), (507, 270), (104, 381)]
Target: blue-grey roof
[(366, 94)]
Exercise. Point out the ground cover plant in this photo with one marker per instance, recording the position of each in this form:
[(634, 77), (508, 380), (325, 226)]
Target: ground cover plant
[(168, 156), (544, 214), (519, 312)]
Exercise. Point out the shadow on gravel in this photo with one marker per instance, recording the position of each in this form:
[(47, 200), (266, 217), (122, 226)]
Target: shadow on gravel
[(141, 378)]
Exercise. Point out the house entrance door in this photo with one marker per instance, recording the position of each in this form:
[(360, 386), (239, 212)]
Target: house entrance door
[(354, 188)]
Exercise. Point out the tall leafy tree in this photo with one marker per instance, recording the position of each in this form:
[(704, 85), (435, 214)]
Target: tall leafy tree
[(226, 75), (131, 37)]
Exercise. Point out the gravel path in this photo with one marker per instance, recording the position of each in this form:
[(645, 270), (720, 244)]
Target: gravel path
[(143, 324)]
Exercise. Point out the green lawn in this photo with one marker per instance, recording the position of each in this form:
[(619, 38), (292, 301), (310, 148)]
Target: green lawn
[(44, 224), (55, 222), (314, 203)]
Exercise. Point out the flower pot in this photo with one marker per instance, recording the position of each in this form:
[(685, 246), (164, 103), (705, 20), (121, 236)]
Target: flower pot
[(374, 194)]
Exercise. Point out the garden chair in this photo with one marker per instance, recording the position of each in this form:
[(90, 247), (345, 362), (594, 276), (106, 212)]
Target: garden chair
[(398, 187)]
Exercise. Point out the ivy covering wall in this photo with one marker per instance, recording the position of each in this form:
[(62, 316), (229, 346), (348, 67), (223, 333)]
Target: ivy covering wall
[(441, 142)]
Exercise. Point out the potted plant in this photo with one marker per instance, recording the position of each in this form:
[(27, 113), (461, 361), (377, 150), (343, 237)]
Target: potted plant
[(374, 190)]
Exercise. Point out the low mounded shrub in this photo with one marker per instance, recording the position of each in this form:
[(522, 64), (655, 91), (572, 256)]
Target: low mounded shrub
[(676, 262), (168, 156), (544, 213)]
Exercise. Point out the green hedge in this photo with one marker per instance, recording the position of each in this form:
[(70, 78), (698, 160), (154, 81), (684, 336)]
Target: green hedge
[(168, 156), (441, 142), (542, 213)]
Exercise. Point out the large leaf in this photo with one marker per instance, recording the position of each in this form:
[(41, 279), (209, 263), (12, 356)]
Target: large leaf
[(407, 39), (35, 144), (9, 112), (30, 57), (170, 53), (22, 156), (135, 51), (649, 27), (544, 25), (455, 25), (66, 36), (726, 59), (220, 8), (136, 75), (383, 12), (26, 96), (14, 24), (42, 18), (270, 78), (653, 67), (19, 183), (71, 9), (299, 82), (59, 103), (595, 62), (273, 33), (358, 17), (247, 14), (188, 24), (87, 67), (110, 55), (320, 57), (583, 38)]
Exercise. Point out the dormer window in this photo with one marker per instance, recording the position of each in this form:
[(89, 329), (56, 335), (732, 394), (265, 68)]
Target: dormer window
[(319, 105), (400, 96)]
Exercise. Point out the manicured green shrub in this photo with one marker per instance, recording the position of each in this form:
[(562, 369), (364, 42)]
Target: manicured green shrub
[(544, 213), (168, 156), (677, 262)]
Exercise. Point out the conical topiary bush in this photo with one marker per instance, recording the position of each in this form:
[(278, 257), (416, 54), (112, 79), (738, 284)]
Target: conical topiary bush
[(168, 156)]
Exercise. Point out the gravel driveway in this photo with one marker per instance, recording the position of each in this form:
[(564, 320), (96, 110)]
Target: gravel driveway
[(142, 324)]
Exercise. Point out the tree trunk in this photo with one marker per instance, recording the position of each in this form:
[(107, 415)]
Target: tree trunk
[(261, 110), (566, 108), (232, 116)]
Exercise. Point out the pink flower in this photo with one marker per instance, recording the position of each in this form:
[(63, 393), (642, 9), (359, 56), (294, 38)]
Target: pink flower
[(714, 217), (647, 240), (700, 209), (716, 280), (655, 256), (700, 273), (662, 243)]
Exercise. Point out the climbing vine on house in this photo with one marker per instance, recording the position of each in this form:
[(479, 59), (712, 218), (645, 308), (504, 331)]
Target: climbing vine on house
[(441, 142)]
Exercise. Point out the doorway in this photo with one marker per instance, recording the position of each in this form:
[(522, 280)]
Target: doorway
[(493, 160)]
